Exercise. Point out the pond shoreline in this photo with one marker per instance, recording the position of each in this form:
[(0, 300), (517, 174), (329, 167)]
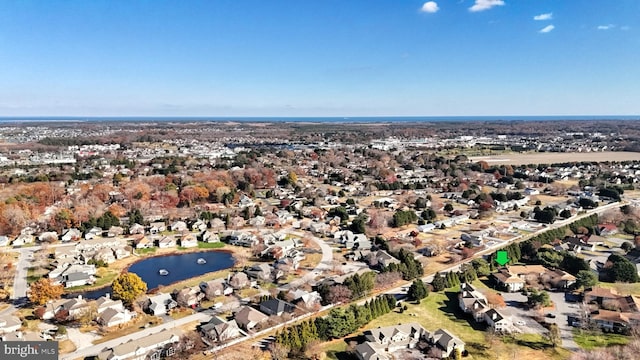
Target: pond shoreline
[(140, 258)]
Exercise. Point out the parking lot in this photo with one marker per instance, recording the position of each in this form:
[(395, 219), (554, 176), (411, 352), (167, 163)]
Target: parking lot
[(522, 317)]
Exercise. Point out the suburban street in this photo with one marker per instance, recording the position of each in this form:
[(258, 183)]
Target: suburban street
[(96, 349)]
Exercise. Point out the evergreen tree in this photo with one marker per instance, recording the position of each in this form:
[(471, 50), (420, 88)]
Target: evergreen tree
[(439, 283)]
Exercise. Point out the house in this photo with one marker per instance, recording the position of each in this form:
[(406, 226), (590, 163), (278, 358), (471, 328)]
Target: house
[(159, 304), (105, 302), (260, 272), (76, 279), (219, 331), (199, 225), (508, 281), (446, 342), (217, 225), (383, 259), (115, 231), (258, 221), (276, 307), (167, 242), (305, 298), (471, 301), (93, 233), (188, 241), (188, 297), (239, 281), (9, 324), (76, 307), (248, 317), (71, 235), (214, 288), (558, 279), (245, 201), (496, 320), (136, 229), (105, 255), (157, 227), (152, 347), (599, 295), (614, 321), (513, 277), (49, 236), (381, 342), (426, 227), (209, 237), (23, 239), (607, 229), (142, 242), (179, 226), (113, 317)]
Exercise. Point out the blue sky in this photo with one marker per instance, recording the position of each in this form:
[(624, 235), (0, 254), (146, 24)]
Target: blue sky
[(319, 58)]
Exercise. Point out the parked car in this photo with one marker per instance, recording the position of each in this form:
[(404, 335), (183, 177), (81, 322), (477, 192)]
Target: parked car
[(550, 315)]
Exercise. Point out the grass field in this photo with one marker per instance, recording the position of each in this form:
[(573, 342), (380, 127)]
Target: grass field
[(589, 340), (215, 245), (622, 288), (551, 158)]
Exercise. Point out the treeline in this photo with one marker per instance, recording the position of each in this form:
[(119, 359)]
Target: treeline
[(353, 287), (409, 267), (338, 323), (401, 218), (451, 279)]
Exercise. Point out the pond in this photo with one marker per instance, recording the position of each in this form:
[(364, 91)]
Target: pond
[(179, 267)]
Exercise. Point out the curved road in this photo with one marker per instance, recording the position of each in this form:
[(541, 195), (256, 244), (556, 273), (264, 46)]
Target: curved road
[(324, 265)]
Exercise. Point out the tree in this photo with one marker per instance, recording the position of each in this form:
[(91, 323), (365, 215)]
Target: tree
[(482, 267), (537, 298), (448, 207), (439, 283), (43, 290), (127, 287), (418, 291), (626, 246), (554, 335), (586, 279)]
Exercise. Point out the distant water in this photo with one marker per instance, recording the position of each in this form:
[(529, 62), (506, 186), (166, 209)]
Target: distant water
[(362, 119)]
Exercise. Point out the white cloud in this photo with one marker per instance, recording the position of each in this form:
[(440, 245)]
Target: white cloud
[(430, 7), (625, 27), (547, 29), (605, 27), (547, 16), (482, 5)]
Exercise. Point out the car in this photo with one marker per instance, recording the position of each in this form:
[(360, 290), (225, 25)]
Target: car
[(550, 315), (521, 323)]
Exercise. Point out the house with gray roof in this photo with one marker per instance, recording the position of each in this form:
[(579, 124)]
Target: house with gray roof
[(154, 346)]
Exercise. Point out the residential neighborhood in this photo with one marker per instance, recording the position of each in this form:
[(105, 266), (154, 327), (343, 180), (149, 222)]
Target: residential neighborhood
[(240, 242)]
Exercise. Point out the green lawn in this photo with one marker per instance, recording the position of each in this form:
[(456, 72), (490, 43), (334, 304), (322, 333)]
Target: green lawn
[(440, 310), (215, 245), (589, 340), (104, 277), (146, 251)]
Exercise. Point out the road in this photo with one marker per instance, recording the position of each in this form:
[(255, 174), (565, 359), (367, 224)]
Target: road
[(20, 281), (96, 349), (325, 264)]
